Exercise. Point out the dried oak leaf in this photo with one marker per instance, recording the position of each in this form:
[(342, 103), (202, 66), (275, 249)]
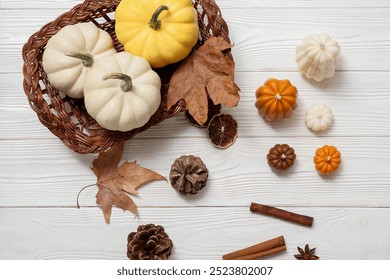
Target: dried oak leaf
[(207, 72), (115, 181)]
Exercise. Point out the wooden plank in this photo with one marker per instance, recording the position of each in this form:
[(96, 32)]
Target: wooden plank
[(45, 173), (282, 4), (351, 95), (197, 233), (264, 40), (223, 4), (40, 177)]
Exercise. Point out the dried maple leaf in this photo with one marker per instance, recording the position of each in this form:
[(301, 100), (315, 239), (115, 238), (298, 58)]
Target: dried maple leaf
[(206, 72), (114, 182)]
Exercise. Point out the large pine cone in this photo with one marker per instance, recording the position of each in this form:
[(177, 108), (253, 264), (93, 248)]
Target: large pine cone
[(188, 174), (150, 242)]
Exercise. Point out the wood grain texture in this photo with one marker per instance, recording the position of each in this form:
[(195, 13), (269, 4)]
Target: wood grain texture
[(351, 95), (197, 233), (264, 40), (52, 175), (40, 177), (223, 4)]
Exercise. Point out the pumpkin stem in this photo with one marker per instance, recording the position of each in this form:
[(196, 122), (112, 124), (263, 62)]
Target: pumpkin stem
[(154, 22), (86, 58), (278, 96), (126, 84)]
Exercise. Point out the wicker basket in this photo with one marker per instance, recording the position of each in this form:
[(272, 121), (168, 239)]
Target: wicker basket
[(67, 118)]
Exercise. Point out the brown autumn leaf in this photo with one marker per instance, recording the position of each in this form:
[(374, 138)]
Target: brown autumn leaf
[(206, 72), (114, 182)]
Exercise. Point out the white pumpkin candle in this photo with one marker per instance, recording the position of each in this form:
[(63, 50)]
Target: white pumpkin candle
[(318, 56), (318, 117)]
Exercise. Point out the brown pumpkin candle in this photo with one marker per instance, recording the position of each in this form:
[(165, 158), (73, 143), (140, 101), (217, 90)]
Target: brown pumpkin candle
[(281, 157)]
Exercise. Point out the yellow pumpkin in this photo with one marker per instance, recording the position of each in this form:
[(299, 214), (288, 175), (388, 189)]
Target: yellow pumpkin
[(161, 31)]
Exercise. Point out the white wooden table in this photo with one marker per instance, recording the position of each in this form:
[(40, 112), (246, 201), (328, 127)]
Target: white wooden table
[(40, 177)]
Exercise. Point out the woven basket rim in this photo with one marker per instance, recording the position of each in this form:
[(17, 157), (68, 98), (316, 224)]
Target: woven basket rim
[(65, 117)]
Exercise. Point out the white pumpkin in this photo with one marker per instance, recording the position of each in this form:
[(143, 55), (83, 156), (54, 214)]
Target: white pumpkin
[(318, 56), (122, 92), (70, 54), (318, 117)]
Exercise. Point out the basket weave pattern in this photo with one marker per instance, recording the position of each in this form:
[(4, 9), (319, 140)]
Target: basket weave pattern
[(67, 118)]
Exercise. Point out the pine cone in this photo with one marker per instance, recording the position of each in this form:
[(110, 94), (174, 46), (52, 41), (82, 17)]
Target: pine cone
[(150, 242), (188, 174)]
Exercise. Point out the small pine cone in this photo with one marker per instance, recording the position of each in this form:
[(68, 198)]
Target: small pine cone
[(150, 242), (188, 174)]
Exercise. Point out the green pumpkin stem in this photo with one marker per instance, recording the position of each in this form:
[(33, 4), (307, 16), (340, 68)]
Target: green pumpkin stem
[(154, 22), (86, 58), (126, 84)]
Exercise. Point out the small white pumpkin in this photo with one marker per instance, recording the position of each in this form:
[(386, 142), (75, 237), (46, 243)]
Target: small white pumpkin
[(318, 56), (122, 92), (318, 117), (70, 54)]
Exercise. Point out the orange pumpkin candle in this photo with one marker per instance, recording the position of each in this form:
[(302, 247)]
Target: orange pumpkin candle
[(327, 159), (276, 99)]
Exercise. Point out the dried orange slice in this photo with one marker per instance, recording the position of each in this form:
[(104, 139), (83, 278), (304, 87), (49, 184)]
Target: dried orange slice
[(222, 130)]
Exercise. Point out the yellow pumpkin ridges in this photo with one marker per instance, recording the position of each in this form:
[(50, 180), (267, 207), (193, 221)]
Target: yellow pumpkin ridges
[(163, 32)]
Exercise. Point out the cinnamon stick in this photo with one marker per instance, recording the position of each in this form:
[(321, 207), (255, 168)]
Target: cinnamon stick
[(258, 250), (282, 214)]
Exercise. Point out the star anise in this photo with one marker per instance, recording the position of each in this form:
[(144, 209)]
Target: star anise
[(307, 254)]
